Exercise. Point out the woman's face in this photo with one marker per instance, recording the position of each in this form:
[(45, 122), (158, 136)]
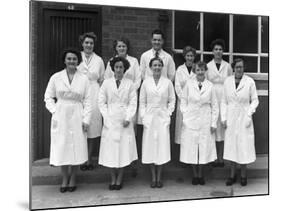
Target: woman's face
[(121, 48), (156, 68), (71, 61), (239, 69), (217, 51), (200, 72), (88, 45), (189, 57), (119, 70)]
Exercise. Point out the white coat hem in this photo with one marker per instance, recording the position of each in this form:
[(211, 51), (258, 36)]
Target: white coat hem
[(120, 166)]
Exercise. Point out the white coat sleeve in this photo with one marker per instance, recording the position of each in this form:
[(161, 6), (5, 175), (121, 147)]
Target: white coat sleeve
[(101, 72), (108, 71), (137, 74), (254, 100), (87, 105), (142, 66), (171, 98), (223, 104), (214, 109), (178, 87), (184, 97), (142, 100), (49, 96), (102, 100), (132, 106), (171, 69)]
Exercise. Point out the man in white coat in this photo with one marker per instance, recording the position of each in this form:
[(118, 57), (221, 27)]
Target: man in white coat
[(157, 41)]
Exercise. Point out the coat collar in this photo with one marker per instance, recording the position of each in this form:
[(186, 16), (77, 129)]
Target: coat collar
[(204, 86), (241, 84), (189, 75), (223, 63), (121, 86), (64, 78)]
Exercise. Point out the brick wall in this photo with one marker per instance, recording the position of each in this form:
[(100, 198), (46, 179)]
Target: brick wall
[(135, 24)]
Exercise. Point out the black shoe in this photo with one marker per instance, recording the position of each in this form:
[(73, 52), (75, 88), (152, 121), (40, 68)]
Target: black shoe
[(112, 187), (83, 167), (71, 189), (63, 189), (195, 181), (201, 180), (230, 181), (159, 184), (215, 164), (118, 187), (243, 181), (153, 184), (90, 167)]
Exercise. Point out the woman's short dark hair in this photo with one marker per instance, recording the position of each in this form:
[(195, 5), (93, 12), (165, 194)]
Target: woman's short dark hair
[(188, 49), (119, 59), (235, 61), (219, 42), (74, 51), (91, 35), (155, 59), (158, 31), (201, 64), (124, 40)]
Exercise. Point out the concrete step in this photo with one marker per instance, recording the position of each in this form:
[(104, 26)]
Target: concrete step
[(44, 174)]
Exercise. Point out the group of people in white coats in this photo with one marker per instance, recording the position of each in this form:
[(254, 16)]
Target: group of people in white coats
[(88, 102)]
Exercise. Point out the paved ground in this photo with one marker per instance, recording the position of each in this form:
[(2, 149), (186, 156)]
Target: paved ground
[(138, 190)]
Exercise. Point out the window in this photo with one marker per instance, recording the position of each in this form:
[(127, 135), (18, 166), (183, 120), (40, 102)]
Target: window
[(246, 37)]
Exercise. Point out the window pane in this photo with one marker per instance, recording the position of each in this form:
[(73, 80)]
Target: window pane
[(215, 26), (187, 29), (264, 65), (250, 63), (264, 34), (208, 57), (245, 34)]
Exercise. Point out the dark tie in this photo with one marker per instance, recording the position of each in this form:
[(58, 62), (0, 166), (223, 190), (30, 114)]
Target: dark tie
[(156, 54), (200, 86), (117, 83)]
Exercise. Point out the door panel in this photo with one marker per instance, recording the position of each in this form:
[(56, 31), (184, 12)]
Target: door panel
[(60, 29)]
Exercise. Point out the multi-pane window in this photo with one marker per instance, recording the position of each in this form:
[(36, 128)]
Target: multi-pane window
[(245, 36)]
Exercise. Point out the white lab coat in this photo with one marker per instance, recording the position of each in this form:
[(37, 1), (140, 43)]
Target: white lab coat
[(200, 113), (94, 70), (182, 77), (156, 106), (118, 145), (168, 70), (217, 77), (133, 73), (73, 106), (237, 107)]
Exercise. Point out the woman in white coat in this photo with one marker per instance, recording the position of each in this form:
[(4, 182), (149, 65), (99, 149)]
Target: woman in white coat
[(117, 103), (218, 71), (93, 67), (157, 102), (200, 113), (238, 104), (71, 113), (184, 73)]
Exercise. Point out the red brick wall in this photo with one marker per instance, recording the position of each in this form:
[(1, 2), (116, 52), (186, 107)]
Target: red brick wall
[(135, 24)]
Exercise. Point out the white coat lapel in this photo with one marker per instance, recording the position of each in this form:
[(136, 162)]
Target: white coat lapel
[(64, 78), (204, 87), (214, 67), (222, 66), (241, 84)]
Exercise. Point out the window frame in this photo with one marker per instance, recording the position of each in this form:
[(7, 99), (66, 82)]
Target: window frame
[(256, 75)]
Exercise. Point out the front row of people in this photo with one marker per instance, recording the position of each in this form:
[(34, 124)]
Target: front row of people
[(117, 102)]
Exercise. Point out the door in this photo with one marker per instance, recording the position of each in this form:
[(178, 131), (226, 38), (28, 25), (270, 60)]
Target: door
[(60, 27)]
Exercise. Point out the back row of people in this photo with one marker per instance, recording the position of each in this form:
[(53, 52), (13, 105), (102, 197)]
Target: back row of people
[(207, 105)]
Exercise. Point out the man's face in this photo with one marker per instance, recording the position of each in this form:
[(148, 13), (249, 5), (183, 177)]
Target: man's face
[(157, 41)]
